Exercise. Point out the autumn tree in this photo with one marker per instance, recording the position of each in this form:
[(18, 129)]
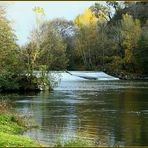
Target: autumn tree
[(86, 37), (91, 37), (130, 31)]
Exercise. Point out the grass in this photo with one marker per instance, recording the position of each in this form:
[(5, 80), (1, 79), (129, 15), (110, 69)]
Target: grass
[(79, 140), (8, 124), (9, 140), (74, 142), (11, 125)]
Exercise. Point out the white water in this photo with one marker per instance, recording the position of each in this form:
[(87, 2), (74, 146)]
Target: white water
[(78, 76), (73, 80)]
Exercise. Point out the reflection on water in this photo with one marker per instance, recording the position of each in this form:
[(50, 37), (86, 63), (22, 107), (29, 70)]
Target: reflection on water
[(110, 112)]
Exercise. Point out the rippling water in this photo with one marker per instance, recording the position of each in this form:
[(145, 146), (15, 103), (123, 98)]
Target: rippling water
[(112, 113)]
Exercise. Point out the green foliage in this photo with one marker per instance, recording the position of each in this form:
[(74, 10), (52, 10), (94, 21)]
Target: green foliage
[(8, 82), (95, 39), (86, 45), (53, 50), (8, 140), (17, 65), (10, 65), (117, 63), (8, 56), (135, 9), (141, 53), (66, 29), (130, 31), (75, 142), (10, 125), (112, 41)]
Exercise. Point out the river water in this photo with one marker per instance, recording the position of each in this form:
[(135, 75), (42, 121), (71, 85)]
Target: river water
[(109, 111)]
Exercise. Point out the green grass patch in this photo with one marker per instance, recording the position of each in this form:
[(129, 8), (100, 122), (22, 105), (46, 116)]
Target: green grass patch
[(11, 126), (8, 124), (75, 142), (15, 140)]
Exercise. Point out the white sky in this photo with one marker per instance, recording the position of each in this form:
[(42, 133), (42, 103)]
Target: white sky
[(24, 18)]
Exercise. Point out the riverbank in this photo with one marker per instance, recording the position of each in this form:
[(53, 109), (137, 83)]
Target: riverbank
[(123, 75), (10, 135), (11, 127), (25, 83)]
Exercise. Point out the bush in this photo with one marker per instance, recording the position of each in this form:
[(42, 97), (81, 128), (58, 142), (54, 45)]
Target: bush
[(24, 83), (75, 142)]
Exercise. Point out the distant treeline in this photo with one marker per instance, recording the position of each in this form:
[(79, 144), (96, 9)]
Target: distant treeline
[(111, 37), (104, 37)]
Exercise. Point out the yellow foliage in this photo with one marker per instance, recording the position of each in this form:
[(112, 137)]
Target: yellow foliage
[(130, 32), (39, 14), (128, 56), (87, 18), (39, 10)]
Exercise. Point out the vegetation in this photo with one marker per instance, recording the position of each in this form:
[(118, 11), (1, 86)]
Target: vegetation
[(98, 39), (11, 125), (10, 140), (16, 64), (110, 43), (112, 38), (9, 56), (75, 142)]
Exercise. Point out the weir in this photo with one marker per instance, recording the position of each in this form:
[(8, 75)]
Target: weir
[(85, 75)]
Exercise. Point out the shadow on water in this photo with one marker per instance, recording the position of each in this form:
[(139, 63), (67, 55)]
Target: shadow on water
[(110, 112)]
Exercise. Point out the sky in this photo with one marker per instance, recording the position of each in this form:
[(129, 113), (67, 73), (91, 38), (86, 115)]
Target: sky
[(23, 18)]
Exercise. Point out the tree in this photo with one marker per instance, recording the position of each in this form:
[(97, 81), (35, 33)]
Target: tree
[(141, 52), (91, 38), (101, 11), (85, 43), (30, 54), (9, 57), (52, 50), (66, 29), (115, 5), (130, 31), (87, 18), (135, 9), (86, 37)]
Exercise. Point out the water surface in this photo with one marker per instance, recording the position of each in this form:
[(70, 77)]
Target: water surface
[(112, 113)]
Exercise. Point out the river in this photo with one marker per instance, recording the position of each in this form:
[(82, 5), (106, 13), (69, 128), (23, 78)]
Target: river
[(109, 111)]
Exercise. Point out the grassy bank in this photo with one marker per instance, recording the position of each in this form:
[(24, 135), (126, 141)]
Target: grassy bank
[(11, 127), (75, 142)]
